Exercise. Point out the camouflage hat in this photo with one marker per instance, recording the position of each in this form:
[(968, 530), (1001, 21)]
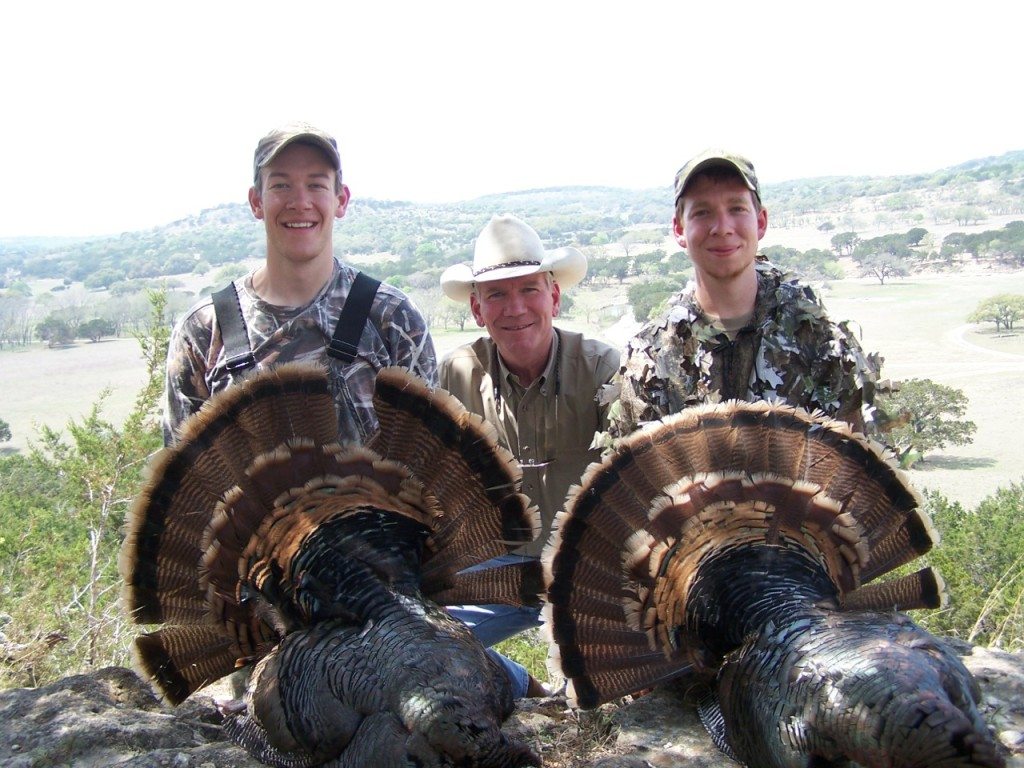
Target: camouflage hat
[(279, 138), (710, 157)]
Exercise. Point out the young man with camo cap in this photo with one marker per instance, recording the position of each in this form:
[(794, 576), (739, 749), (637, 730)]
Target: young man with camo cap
[(742, 329), (293, 306)]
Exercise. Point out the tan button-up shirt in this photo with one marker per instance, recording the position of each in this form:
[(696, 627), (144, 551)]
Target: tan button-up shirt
[(549, 425)]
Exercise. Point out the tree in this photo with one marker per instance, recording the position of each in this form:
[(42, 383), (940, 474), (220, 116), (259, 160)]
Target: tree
[(924, 415), (967, 214), (95, 329), (844, 243), (916, 235), (813, 264), (883, 257), (455, 312), (1003, 310), (589, 306), (177, 264), (616, 267), (882, 266), (5, 431), (11, 309), (229, 272), (645, 297), (103, 278), (55, 331)]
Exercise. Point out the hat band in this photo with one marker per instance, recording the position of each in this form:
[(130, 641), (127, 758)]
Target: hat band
[(505, 265)]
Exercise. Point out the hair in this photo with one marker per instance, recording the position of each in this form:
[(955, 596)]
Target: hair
[(718, 172), (258, 181)]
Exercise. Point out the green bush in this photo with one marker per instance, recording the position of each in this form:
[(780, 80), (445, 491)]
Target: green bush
[(62, 508), (981, 558)]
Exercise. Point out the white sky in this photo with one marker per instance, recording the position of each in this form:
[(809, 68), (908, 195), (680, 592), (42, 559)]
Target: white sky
[(125, 115)]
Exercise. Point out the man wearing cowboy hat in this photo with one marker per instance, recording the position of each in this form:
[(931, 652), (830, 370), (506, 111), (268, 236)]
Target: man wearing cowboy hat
[(535, 383)]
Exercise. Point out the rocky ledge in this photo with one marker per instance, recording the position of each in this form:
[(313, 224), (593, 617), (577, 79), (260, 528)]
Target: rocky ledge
[(112, 718)]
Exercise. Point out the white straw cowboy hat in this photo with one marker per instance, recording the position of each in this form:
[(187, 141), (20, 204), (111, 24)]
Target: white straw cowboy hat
[(509, 247)]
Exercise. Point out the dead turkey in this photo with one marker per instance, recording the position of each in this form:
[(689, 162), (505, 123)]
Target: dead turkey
[(259, 539), (737, 545)]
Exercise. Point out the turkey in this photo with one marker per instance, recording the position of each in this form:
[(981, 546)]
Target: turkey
[(260, 540), (734, 548)]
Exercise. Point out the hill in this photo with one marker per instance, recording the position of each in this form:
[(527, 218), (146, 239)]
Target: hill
[(972, 193), (625, 234)]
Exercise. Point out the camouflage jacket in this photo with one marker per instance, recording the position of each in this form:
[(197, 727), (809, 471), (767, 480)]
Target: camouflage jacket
[(789, 350), (395, 334)]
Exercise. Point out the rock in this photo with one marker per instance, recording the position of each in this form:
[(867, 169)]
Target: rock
[(111, 718), (666, 732), (107, 718), (660, 730)]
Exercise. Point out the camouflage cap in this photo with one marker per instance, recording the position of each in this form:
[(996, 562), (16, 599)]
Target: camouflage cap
[(279, 138), (710, 157)]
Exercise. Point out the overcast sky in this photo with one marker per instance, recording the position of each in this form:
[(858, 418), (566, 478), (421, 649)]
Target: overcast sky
[(119, 116)]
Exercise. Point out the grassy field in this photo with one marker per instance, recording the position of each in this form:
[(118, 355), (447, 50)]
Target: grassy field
[(918, 324), (49, 386)]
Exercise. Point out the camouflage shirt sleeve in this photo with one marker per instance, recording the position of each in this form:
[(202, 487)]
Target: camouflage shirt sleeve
[(185, 384), (408, 338), (641, 391)]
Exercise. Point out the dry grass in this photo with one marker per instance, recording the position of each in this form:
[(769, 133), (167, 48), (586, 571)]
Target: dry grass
[(49, 386)]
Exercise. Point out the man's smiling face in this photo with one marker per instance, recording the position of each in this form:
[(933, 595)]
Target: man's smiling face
[(518, 314), (298, 203)]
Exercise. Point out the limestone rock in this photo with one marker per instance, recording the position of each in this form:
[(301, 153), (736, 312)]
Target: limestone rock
[(111, 718)]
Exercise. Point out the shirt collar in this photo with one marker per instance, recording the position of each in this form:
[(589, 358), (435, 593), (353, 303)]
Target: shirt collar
[(548, 374)]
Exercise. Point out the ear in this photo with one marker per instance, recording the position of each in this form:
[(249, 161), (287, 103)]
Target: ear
[(256, 203), (474, 307), (680, 232), (762, 222), (343, 197), (556, 297)]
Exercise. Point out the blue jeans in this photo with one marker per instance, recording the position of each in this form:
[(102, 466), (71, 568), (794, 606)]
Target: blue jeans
[(493, 623)]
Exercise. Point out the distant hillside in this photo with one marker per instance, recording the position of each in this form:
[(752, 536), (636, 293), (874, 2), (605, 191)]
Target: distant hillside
[(978, 189)]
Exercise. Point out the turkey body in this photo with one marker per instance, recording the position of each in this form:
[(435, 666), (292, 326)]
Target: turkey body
[(732, 548), (259, 540)]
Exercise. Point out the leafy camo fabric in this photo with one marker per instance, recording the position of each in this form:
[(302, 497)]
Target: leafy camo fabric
[(790, 350)]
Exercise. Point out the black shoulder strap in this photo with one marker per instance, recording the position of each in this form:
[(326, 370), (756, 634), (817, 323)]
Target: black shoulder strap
[(352, 319), (228, 312)]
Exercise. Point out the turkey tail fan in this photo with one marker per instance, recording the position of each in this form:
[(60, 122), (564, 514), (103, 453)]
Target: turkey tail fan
[(166, 525), (624, 560), (205, 497), (457, 457), (259, 468), (309, 485), (514, 584), (922, 589), (183, 659)]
